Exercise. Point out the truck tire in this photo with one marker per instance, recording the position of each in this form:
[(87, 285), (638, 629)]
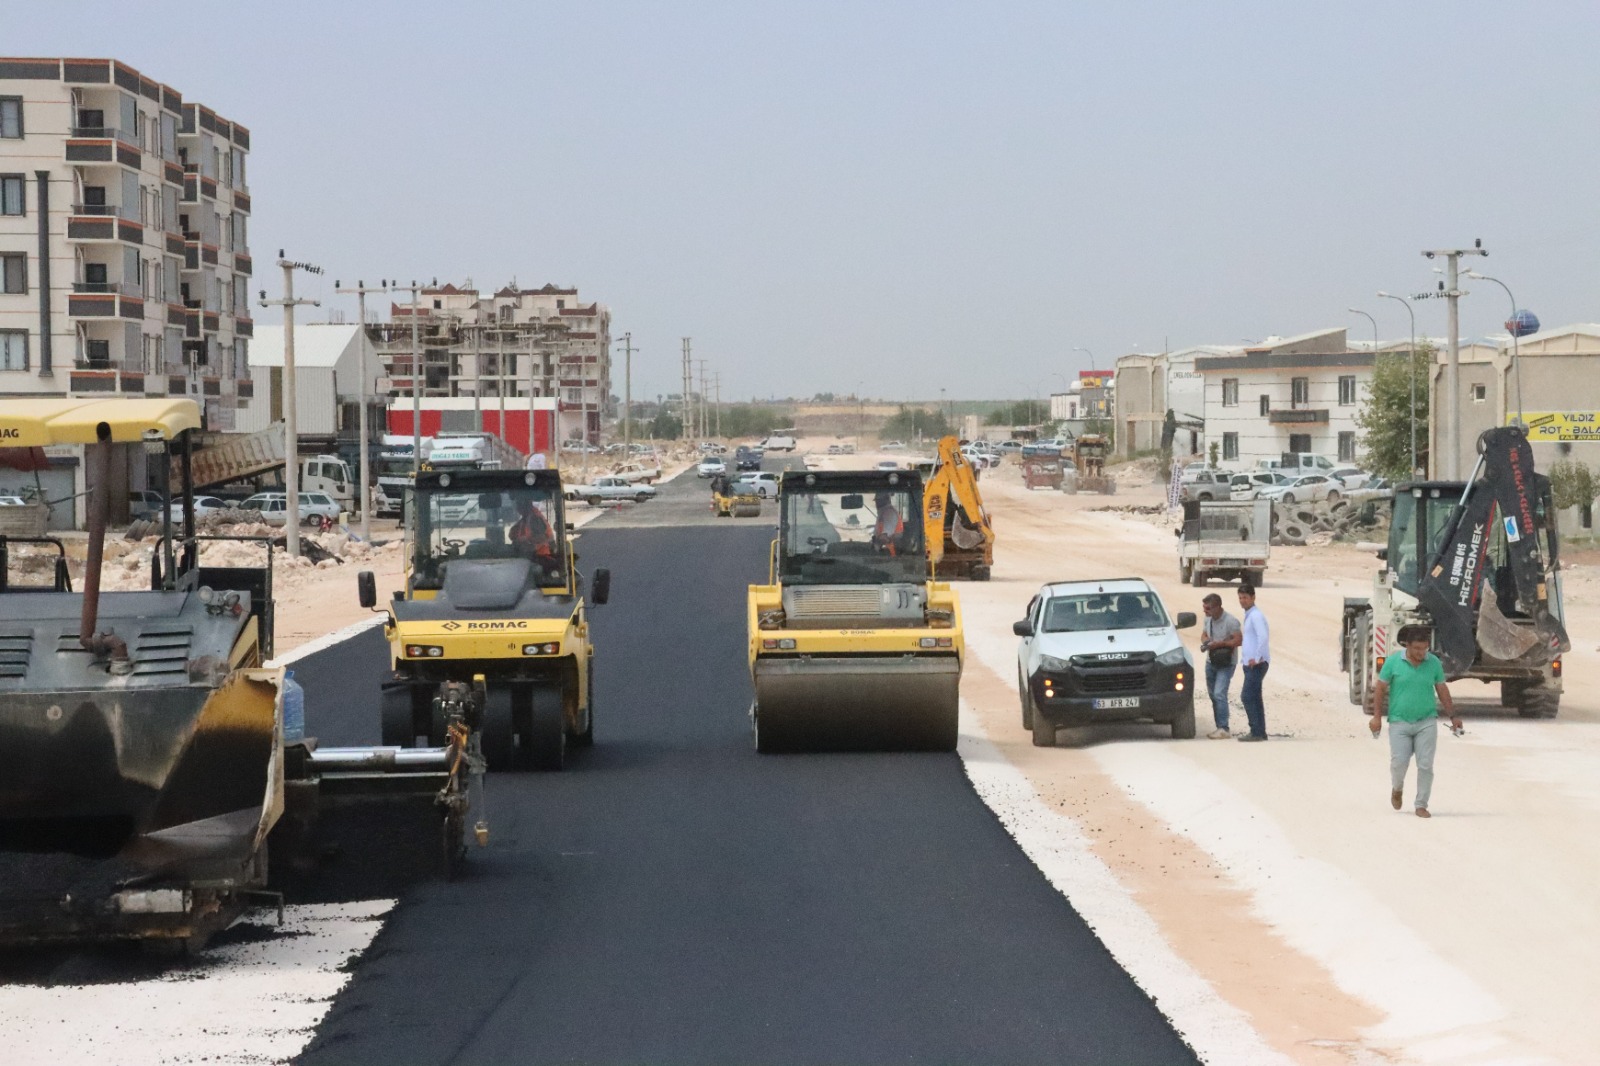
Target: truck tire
[(641, 497), (544, 729), (1183, 573), (398, 723), (1044, 730), (1358, 655), (592, 501), (1197, 577), (1258, 578), (498, 732), (1025, 698), (1183, 725)]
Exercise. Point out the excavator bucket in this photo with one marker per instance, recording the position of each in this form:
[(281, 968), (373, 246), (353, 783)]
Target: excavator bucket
[(905, 703)]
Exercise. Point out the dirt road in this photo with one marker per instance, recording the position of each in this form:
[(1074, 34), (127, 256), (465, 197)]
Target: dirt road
[(1344, 930)]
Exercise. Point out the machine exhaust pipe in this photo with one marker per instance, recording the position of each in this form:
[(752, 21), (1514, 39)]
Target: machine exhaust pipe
[(99, 644)]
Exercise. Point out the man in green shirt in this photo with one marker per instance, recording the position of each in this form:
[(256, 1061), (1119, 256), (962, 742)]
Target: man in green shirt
[(1409, 690)]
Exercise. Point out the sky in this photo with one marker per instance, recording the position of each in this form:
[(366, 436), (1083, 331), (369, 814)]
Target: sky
[(899, 198)]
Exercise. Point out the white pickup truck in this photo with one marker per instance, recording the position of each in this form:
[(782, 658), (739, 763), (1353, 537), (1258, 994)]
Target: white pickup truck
[(648, 473), (610, 490), (1224, 539)]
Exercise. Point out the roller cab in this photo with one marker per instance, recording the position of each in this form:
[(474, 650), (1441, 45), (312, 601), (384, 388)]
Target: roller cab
[(492, 601), (853, 646)]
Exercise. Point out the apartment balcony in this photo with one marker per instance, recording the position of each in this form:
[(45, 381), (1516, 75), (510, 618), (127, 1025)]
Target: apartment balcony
[(1298, 416), (242, 264), (244, 326), (173, 173), (103, 299), (98, 377), (102, 222), (99, 144), (241, 201)]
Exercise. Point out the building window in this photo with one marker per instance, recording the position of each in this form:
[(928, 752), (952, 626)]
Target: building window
[(1230, 392), (10, 117), (1230, 446), (1347, 390), (1347, 447), (13, 349), (11, 194), (97, 354), (1266, 404), (1480, 392), (1299, 392), (13, 273), (1300, 443)]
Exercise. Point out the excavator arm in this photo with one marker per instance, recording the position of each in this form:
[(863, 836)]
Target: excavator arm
[(1487, 582), (953, 511)]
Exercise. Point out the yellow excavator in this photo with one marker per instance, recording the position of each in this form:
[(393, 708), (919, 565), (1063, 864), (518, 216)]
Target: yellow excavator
[(853, 645), (144, 769), (492, 614), (959, 534)]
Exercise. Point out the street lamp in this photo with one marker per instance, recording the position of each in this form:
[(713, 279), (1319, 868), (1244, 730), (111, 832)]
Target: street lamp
[(1090, 354), (1511, 327), (1412, 360)]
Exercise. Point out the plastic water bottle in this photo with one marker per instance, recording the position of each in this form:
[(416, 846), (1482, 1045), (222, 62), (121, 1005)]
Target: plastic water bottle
[(294, 709)]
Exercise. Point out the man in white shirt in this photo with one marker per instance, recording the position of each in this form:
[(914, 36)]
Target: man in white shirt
[(1256, 655)]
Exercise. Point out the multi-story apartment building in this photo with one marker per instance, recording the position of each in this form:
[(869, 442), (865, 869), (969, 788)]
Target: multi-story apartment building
[(514, 342), (1295, 394), (123, 215), (1149, 386), (124, 261)]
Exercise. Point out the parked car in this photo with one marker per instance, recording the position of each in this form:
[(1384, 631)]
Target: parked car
[(612, 487), (203, 505), (1306, 488), (316, 508), (762, 483), (1245, 486), (1351, 477), (1009, 447), (711, 447), (894, 446), (144, 504), (1102, 651), (888, 464), (1379, 488), (711, 467), (1205, 485)]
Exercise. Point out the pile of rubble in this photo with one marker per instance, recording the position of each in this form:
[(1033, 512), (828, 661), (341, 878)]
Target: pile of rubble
[(1322, 522), (127, 561)]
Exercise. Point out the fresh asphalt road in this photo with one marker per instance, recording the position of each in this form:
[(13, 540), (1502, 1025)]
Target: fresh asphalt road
[(672, 897)]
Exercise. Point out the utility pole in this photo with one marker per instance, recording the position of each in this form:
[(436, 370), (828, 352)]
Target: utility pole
[(688, 385), (717, 379), (705, 430), (416, 379), (291, 426), (365, 493), (627, 393), (1452, 365), (500, 381), (1411, 361)]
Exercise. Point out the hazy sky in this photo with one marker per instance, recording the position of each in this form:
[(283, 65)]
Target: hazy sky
[(906, 196)]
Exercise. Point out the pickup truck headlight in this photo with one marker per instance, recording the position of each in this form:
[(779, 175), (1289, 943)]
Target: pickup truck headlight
[(1054, 665), (1176, 657)]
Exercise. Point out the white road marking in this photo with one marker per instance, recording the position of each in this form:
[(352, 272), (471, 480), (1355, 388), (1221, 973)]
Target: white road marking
[(1217, 1030), (328, 640), (250, 1003)]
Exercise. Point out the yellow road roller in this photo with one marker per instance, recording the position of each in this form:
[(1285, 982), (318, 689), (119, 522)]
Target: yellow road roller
[(493, 607), (853, 645)]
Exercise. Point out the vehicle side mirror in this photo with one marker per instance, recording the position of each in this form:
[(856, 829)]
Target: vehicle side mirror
[(1186, 620), (1383, 555), (367, 589), (1023, 628), (600, 590)]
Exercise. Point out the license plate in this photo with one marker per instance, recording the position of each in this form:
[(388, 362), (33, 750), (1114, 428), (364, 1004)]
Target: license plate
[(1114, 703), (1233, 562)]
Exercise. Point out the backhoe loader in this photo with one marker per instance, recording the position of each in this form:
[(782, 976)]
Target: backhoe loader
[(960, 537), (143, 768), (493, 610), (853, 645), (1477, 562)]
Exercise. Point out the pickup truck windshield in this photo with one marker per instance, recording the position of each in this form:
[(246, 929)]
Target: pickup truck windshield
[(1104, 610)]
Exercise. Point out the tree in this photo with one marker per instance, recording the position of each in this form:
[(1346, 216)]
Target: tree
[(666, 427), (1572, 484), (754, 420), (1384, 420), (1021, 413), (908, 422)]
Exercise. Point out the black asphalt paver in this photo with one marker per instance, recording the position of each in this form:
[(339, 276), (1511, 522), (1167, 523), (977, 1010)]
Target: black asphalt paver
[(672, 897)]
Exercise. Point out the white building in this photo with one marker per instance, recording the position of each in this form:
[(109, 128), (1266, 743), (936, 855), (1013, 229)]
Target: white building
[(124, 266), (1148, 386), (1295, 394), (327, 362)]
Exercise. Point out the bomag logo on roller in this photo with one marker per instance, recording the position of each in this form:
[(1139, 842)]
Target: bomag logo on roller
[(497, 625)]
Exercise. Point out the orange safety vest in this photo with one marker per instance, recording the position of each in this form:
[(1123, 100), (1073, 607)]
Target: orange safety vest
[(892, 538)]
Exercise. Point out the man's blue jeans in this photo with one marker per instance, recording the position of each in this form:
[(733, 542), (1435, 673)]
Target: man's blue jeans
[(1250, 696), (1218, 678)]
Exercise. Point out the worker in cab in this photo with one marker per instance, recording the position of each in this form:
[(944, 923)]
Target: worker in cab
[(533, 538), (888, 529)]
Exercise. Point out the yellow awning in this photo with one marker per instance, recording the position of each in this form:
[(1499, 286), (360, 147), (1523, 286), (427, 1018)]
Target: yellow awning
[(31, 423)]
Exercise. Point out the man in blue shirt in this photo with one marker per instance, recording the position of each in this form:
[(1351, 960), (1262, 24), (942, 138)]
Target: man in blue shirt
[(1409, 691), (1256, 654)]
